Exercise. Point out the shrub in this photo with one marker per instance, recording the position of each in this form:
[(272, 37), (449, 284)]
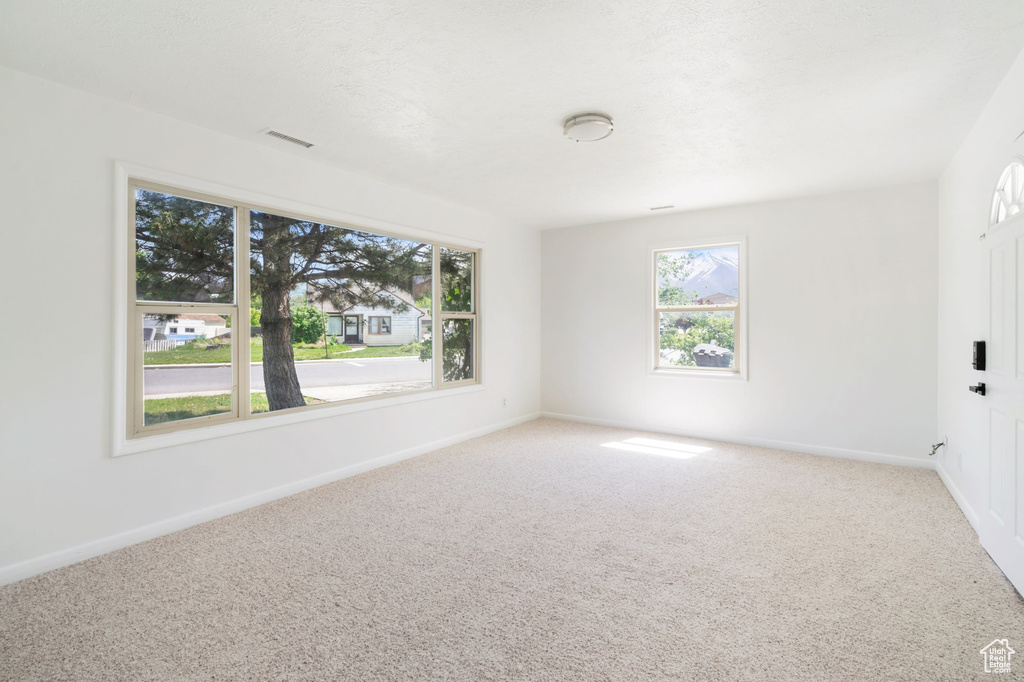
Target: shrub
[(307, 324), (699, 328)]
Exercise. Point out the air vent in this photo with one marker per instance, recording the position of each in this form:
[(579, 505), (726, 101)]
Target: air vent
[(661, 208), (289, 138)]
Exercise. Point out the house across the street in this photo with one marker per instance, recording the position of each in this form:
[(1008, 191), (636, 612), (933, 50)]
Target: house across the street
[(183, 328), (379, 325)]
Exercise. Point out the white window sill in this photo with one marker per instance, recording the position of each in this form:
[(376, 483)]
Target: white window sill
[(157, 442), (698, 374)]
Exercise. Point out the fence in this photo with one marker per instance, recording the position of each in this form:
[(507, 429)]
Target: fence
[(168, 344)]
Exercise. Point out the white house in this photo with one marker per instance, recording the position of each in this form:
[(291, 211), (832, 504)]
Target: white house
[(183, 328), (377, 326)]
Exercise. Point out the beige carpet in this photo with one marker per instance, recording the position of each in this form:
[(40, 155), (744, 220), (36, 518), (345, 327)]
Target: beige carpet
[(537, 553)]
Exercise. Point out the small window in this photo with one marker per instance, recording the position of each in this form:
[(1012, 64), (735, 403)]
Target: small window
[(697, 308), (190, 330), (172, 330), (380, 325), (1009, 195)]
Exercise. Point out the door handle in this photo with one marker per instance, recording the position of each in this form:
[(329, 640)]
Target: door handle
[(979, 389)]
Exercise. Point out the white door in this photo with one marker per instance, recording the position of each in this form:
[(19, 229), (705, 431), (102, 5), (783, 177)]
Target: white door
[(1003, 517)]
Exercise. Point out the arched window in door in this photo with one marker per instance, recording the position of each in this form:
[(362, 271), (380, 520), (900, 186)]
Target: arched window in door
[(1009, 196)]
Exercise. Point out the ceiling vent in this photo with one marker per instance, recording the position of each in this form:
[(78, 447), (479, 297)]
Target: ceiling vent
[(289, 138)]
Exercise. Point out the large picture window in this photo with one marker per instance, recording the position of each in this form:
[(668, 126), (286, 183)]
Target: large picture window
[(236, 311), (697, 308)]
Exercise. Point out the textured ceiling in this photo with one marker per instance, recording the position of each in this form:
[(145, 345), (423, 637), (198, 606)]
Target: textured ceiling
[(715, 101)]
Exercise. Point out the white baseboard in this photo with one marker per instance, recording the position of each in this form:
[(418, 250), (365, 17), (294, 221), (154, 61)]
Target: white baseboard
[(959, 498), (861, 455), (66, 557)]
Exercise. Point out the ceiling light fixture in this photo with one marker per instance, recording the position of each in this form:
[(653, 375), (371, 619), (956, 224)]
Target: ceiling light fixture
[(588, 127)]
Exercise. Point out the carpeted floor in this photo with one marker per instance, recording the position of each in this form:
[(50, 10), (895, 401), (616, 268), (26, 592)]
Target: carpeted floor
[(540, 553)]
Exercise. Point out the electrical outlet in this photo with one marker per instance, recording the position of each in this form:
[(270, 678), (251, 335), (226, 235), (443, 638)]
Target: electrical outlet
[(504, 402)]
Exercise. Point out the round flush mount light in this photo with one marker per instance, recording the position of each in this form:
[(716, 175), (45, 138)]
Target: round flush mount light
[(588, 127)]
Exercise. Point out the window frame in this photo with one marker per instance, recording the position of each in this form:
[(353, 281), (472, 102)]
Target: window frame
[(739, 309), (437, 321), (131, 435)]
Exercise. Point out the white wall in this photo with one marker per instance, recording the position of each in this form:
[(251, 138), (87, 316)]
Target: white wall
[(842, 325), (59, 487), (965, 197)]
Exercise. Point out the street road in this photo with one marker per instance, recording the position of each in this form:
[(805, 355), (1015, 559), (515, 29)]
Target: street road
[(173, 380)]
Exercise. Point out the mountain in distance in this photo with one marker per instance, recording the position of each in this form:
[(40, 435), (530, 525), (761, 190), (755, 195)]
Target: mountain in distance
[(713, 271)]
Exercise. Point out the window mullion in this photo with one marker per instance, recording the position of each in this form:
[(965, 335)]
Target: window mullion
[(698, 309), (242, 355), (435, 316), (132, 353), (212, 308), (138, 372)]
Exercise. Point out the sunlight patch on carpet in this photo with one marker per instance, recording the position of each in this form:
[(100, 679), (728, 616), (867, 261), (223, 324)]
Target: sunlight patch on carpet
[(662, 448)]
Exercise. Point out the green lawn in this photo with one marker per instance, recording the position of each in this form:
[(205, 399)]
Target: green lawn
[(308, 352), (384, 352), (208, 351), (164, 410), (260, 404), (192, 353)]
